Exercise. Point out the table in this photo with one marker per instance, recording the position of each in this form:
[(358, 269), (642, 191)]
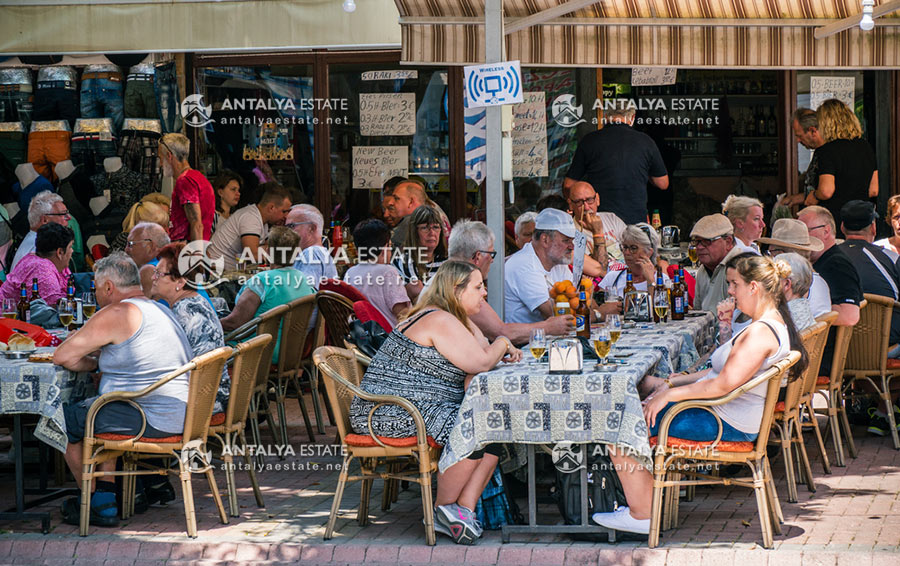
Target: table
[(39, 389), (523, 404)]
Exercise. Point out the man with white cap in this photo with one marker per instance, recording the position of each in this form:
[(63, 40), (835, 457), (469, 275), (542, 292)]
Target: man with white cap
[(790, 235), (531, 271), (713, 236)]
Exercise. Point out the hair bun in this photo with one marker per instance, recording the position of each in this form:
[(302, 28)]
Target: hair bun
[(782, 268)]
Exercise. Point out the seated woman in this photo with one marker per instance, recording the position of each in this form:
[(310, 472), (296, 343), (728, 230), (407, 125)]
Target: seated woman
[(424, 249), (375, 278), (640, 248), (193, 312), (48, 264), (430, 359), (755, 283), (268, 289)]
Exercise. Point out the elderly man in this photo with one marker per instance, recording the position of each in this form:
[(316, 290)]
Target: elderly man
[(713, 236), (139, 341), (805, 125), (618, 162), (313, 261), (44, 207), (407, 196), (387, 198), (193, 206), (473, 242), (143, 245), (532, 270), (603, 229), (242, 233), (524, 228)]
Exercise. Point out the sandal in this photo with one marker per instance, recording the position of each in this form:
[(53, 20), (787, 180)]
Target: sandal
[(103, 510)]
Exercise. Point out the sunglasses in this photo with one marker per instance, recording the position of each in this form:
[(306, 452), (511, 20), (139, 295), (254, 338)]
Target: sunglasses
[(492, 254), (705, 242)]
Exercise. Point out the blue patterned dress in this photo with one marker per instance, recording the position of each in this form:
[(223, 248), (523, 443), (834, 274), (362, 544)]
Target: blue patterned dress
[(204, 332)]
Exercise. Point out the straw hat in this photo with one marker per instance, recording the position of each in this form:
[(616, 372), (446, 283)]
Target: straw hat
[(791, 233)]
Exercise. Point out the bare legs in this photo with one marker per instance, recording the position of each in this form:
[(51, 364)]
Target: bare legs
[(73, 459), (464, 482), (637, 483)]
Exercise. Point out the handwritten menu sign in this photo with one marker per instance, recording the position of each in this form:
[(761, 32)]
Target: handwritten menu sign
[(387, 114), (529, 136), (390, 75), (823, 88), (375, 164), (653, 76)]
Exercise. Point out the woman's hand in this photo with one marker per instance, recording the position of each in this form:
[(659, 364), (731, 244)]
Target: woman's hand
[(513, 356), (647, 269), (654, 404)]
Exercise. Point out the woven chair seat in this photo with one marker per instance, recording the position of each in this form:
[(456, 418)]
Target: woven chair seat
[(823, 380), (722, 446), (217, 419), (893, 363), (366, 441), (113, 437)]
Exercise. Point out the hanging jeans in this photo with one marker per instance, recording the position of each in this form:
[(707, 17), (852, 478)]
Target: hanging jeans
[(16, 104), (140, 98), (165, 83), (56, 100), (46, 149), (101, 97), (138, 150), (90, 150)]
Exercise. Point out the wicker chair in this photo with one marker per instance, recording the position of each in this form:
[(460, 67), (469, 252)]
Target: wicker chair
[(188, 448), (867, 355), (342, 371), (787, 424), (670, 454), (270, 322), (289, 367), (228, 427), (333, 324)]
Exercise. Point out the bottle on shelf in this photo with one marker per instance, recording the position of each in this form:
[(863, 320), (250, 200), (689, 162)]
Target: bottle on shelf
[(771, 124), (750, 121), (583, 316), (23, 308), (656, 222), (678, 299), (761, 126)]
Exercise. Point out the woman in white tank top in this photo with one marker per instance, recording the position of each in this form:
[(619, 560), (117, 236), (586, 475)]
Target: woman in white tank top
[(755, 283)]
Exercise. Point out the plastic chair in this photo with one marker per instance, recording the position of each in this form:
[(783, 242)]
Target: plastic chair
[(366, 311)]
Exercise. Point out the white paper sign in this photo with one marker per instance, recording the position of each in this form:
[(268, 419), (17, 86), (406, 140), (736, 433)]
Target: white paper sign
[(529, 136), (375, 164), (652, 76), (823, 88), (387, 114), (578, 256), (493, 84), (389, 75)]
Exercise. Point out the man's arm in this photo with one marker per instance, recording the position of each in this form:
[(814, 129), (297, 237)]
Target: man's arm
[(825, 189), (848, 315), (195, 221), (873, 185), (110, 325), (519, 333), (243, 311), (661, 183), (251, 242)]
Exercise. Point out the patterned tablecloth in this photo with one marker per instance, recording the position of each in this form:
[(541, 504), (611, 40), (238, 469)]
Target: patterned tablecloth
[(41, 389), (522, 403)]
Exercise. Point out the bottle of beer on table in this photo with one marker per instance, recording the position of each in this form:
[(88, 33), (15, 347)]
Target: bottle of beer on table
[(34, 289), (628, 294), (70, 298), (678, 300), (583, 316), (23, 309)]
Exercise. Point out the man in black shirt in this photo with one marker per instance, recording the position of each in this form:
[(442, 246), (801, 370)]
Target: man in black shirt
[(618, 162)]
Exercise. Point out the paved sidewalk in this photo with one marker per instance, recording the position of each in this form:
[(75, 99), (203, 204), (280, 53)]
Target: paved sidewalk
[(853, 519)]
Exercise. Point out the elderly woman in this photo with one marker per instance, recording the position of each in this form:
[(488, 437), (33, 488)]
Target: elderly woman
[(268, 289), (796, 288), (430, 358), (640, 247), (227, 186), (48, 264), (892, 243), (755, 283), (424, 249), (746, 215), (193, 312)]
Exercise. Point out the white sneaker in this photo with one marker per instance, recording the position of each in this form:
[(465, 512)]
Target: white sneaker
[(621, 520)]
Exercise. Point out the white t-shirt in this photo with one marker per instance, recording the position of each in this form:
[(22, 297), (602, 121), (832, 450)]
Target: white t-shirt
[(226, 242), (819, 296), (381, 284), (889, 249), (316, 264), (738, 243), (617, 279), (527, 285), (26, 247)]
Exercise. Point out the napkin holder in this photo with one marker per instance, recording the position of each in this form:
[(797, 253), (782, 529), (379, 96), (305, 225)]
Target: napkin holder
[(636, 306), (566, 356)]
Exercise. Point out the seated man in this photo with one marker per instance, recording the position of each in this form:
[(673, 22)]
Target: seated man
[(139, 342), (473, 242), (714, 237), (143, 245), (531, 271), (48, 265), (374, 275), (45, 207), (313, 261)]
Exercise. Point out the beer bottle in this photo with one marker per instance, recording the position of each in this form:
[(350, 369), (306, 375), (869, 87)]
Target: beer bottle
[(583, 316), (34, 289), (70, 288), (656, 222), (678, 300), (23, 309), (628, 294)]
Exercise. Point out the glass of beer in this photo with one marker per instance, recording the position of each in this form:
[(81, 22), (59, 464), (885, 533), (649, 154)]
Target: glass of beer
[(614, 325), (66, 311), (692, 254), (661, 306), (88, 304), (538, 344), (602, 344), (10, 308)]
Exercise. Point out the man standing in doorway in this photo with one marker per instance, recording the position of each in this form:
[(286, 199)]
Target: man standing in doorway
[(805, 126), (193, 200)]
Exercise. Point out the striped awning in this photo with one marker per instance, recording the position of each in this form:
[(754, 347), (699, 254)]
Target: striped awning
[(679, 33)]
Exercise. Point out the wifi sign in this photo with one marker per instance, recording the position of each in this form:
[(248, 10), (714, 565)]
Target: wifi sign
[(493, 84)]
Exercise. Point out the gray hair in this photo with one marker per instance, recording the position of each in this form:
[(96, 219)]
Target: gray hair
[(468, 237), (312, 214), (177, 144), (738, 207), (806, 118), (524, 219), (619, 111), (801, 272), (155, 232), (41, 204), (642, 234), (822, 214), (118, 268)]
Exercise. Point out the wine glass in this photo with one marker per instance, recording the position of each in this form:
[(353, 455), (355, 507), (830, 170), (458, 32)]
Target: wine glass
[(692, 254), (538, 344), (602, 343), (88, 304), (10, 308), (661, 306), (66, 311), (614, 325)]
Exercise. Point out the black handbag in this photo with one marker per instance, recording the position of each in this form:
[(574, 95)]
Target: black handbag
[(367, 336)]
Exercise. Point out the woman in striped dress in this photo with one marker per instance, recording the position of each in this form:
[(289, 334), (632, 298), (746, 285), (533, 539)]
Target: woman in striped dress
[(424, 250)]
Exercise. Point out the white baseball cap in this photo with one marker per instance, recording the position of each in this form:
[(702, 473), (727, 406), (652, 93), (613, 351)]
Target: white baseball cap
[(553, 219)]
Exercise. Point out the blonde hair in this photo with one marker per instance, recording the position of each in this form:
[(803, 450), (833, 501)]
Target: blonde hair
[(837, 121), (449, 280), (738, 207), (152, 208)]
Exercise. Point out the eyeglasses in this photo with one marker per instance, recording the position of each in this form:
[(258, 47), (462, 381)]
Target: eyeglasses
[(132, 243), (157, 273), (66, 213), (292, 224), (775, 251), (169, 151), (704, 242), (646, 230), (811, 228), (582, 202), (492, 254), (631, 249), (429, 227)]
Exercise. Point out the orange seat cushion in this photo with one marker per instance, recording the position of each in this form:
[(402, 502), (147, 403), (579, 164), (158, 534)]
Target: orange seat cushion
[(366, 441), (119, 437), (893, 363), (723, 446), (217, 419), (823, 380), (779, 407)]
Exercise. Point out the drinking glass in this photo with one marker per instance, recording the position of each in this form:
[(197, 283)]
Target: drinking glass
[(614, 325), (66, 311), (88, 304), (602, 344), (692, 254), (10, 308), (538, 344)]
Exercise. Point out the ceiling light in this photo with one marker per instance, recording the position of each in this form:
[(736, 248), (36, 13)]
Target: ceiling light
[(349, 6), (866, 23)]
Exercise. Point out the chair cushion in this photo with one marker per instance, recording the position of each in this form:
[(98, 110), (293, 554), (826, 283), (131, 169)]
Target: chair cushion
[(217, 419), (366, 441), (893, 363), (823, 380), (779, 407), (723, 446), (175, 439)]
